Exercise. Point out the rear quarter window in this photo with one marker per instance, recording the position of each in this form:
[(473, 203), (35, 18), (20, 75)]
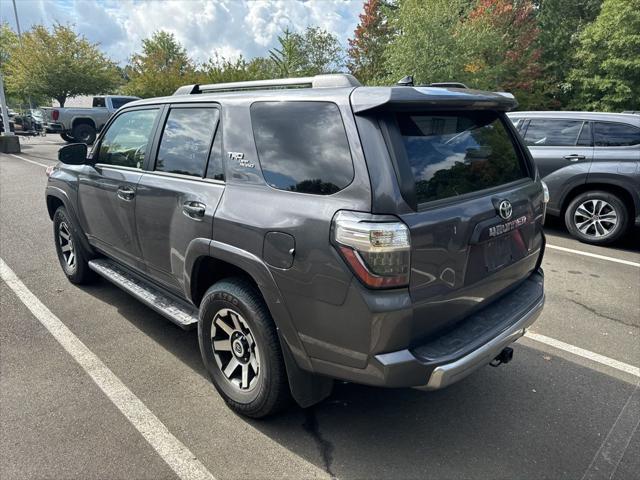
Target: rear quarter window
[(452, 154), (302, 146)]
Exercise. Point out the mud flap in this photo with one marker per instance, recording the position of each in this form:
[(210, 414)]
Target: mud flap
[(307, 389)]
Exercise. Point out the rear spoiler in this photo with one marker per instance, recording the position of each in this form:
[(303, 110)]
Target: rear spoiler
[(375, 98)]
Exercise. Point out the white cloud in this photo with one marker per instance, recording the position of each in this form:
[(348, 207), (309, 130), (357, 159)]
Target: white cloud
[(226, 27)]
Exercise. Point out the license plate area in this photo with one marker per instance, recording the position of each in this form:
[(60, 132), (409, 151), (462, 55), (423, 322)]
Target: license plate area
[(498, 253)]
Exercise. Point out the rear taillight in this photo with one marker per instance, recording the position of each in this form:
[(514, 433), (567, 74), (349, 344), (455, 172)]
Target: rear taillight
[(376, 247), (55, 114)]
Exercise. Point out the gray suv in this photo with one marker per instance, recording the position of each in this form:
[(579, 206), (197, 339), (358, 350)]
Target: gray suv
[(591, 165), (386, 236)]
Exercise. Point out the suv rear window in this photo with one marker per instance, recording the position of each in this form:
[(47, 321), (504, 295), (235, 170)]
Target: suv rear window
[(451, 154), (302, 146)]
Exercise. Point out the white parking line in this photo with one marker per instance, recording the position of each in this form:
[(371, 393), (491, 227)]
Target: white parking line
[(171, 450), (581, 352), (594, 255), (30, 161)]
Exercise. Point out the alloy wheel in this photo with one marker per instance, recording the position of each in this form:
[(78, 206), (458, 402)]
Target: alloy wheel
[(595, 218), (235, 350), (66, 245)]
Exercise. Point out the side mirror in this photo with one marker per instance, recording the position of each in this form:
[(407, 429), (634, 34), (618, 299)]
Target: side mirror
[(73, 154)]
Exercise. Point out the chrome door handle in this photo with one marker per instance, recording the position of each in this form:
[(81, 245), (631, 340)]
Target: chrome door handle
[(194, 209), (126, 193), (574, 157)]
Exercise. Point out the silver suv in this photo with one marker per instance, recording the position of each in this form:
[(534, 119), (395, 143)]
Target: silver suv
[(591, 165)]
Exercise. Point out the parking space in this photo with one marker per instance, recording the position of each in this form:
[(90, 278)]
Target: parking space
[(551, 413)]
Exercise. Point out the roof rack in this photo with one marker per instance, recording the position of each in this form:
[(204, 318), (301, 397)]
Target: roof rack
[(332, 80), (448, 85)]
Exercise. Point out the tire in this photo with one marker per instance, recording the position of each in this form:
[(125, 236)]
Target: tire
[(246, 334), (84, 133), (597, 217), (76, 268), (67, 138)]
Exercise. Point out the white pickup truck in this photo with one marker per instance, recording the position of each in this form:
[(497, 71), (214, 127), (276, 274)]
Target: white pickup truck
[(83, 124)]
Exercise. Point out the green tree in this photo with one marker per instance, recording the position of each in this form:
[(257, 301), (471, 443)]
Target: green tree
[(607, 72), (560, 23), (311, 52), (221, 70), (58, 64), (8, 43), (287, 58), (366, 48), (424, 41), (160, 69)]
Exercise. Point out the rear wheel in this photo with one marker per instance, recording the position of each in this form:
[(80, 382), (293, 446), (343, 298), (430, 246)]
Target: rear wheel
[(84, 133), (597, 217), (67, 138), (241, 350), (71, 254)]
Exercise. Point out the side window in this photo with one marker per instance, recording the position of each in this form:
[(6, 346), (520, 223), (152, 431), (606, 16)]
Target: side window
[(125, 142), (99, 102), (302, 146), (215, 168), (117, 102), (616, 135), (186, 140), (584, 140), (552, 133)]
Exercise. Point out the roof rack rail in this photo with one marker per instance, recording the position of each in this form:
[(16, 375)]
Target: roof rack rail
[(332, 80), (448, 85)]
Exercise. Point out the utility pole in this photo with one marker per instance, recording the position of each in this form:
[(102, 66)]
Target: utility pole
[(5, 113), (15, 14)]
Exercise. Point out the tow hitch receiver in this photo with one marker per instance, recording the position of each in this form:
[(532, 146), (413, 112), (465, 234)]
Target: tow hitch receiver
[(505, 356)]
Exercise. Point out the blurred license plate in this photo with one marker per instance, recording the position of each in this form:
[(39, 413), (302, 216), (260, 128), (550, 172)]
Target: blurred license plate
[(497, 253)]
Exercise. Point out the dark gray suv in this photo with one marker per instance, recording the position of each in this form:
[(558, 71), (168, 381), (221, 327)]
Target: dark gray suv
[(387, 236), (591, 165)]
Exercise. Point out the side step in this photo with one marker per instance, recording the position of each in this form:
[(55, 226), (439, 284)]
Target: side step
[(178, 312)]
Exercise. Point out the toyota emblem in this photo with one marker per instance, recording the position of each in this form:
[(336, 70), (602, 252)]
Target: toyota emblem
[(505, 209)]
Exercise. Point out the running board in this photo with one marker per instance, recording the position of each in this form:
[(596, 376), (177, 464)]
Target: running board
[(176, 311)]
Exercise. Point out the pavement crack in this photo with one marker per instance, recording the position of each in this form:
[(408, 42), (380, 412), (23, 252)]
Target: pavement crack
[(312, 427), (601, 315)]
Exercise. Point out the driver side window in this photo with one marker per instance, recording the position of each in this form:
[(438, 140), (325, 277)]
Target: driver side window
[(125, 142)]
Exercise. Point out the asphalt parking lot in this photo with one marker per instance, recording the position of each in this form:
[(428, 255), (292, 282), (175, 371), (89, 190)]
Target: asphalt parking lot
[(568, 406)]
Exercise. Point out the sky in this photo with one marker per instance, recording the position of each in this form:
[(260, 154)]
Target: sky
[(204, 27)]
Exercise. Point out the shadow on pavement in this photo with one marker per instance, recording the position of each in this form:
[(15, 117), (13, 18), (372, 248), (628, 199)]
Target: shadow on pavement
[(630, 242), (538, 417)]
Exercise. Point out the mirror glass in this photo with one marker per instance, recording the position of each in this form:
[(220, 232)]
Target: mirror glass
[(73, 154)]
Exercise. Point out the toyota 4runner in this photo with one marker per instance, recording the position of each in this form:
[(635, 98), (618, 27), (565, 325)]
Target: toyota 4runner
[(388, 236)]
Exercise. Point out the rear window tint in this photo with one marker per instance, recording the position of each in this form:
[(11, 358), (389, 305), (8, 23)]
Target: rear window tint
[(458, 153), (616, 135), (302, 146)]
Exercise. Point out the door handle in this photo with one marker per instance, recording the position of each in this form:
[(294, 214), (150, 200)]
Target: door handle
[(574, 157), (126, 193), (194, 209)]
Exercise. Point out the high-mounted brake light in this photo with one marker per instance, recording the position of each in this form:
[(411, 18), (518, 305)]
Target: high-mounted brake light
[(376, 247)]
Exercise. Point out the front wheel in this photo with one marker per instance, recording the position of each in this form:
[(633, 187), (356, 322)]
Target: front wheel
[(71, 254), (597, 217), (240, 349)]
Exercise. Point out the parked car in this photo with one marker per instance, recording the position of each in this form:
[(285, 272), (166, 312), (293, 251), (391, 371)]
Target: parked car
[(388, 236), (83, 124), (591, 165)]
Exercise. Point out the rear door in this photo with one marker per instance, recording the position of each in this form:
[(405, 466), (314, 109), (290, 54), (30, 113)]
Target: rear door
[(557, 143), (476, 231), (179, 192)]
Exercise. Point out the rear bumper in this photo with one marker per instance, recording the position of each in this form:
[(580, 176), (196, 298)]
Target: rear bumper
[(54, 127), (454, 354)]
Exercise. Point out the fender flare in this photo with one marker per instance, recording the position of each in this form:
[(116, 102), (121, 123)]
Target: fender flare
[(51, 191), (306, 388)]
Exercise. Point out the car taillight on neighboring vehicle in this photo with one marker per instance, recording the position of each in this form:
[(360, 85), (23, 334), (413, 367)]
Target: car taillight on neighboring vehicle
[(376, 247), (55, 114)]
